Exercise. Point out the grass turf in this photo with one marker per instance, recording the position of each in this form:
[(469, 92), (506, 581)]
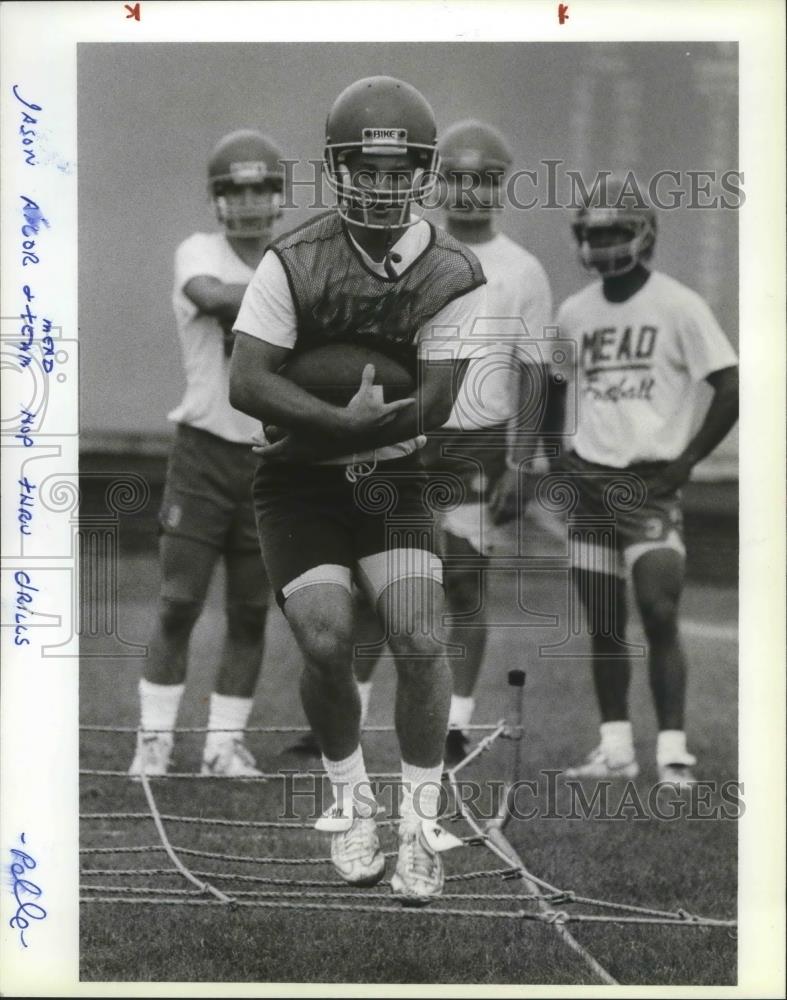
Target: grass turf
[(686, 862)]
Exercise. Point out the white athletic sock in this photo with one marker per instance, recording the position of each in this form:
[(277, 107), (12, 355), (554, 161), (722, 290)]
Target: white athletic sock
[(226, 712), (365, 693), (351, 785), (421, 790), (617, 742), (158, 704), (671, 747), (461, 711)]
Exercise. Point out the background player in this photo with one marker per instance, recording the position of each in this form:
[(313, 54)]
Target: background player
[(497, 413), (374, 274), (207, 510), (649, 355)]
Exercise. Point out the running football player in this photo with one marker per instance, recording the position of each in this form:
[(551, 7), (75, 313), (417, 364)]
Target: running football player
[(374, 273), (658, 390), (207, 511), (491, 432)]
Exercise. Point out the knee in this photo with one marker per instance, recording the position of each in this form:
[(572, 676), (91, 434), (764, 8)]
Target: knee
[(246, 622), (178, 617), (660, 617), (416, 651), (327, 647)]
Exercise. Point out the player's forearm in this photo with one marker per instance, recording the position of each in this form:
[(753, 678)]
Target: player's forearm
[(275, 400), (721, 417), (226, 305)]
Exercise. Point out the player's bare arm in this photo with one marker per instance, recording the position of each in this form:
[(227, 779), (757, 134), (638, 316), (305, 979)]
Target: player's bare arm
[(257, 389), (215, 297), (365, 428), (719, 420)]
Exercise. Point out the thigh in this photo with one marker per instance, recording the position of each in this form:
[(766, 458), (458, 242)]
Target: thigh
[(303, 528), (658, 576), (186, 567)]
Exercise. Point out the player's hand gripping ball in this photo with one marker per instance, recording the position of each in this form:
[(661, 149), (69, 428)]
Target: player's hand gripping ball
[(371, 386)]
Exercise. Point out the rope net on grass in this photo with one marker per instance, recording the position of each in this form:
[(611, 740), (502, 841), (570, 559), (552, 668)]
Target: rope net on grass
[(269, 881)]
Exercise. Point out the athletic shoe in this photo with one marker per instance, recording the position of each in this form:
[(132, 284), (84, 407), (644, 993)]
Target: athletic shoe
[(306, 746), (597, 765), (232, 759), (678, 772), (419, 874), (153, 753), (355, 846), (457, 747)]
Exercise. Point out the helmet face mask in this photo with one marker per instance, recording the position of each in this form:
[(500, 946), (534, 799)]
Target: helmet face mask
[(245, 182), (615, 236), (380, 152)]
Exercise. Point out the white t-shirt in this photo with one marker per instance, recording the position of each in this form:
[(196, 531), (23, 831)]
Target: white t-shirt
[(519, 306), (206, 403), (639, 370), (268, 312)]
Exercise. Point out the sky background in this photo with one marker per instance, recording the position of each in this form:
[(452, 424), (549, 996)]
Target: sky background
[(149, 115)]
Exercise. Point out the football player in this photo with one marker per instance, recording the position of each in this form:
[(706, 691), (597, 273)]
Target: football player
[(657, 391), (207, 510), (371, 271), (491, 433)]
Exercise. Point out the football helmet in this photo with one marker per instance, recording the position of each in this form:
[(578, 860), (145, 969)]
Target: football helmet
[(616, 204), (380, 116), (245, 181), (476, 151)]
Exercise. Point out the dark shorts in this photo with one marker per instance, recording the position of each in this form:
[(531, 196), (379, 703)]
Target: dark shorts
[(315, 526), (614, 509), (207, 494)]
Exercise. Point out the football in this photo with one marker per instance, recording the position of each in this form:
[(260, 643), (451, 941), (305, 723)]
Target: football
[(332, 372)]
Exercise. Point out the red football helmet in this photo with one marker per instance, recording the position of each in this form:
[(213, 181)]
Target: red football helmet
[(616, 205), (384, 118), (245, 181)]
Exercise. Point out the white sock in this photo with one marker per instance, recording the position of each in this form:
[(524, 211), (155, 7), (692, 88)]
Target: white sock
[(365, 693), (421, 790), (617, 742), (461, 711), (159, 704), (226, 712), (671, 747), (351, 785)]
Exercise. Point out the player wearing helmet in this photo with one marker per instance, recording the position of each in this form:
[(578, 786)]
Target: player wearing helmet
[(498, 410), (657, 391), (207, 511), (371, 272)]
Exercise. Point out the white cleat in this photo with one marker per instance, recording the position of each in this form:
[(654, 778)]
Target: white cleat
[(153, 754), (232, 759), (419, 875), (679, 772), (355, 846), (598, 765)]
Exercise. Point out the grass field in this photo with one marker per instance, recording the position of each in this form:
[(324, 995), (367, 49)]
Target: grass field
[(687, 863)]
